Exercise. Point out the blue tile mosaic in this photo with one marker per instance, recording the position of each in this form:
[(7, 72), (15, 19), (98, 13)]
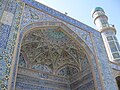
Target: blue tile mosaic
[(4, 34), (59, 15), (2, 6), (7, 35), (11, 7), (103, 61)]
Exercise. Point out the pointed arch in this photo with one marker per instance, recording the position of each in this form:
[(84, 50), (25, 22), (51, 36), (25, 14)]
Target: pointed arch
[(69, 33)]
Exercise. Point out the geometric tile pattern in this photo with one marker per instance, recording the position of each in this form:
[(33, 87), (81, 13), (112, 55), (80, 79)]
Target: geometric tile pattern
[(4, 35), (7, 18), (9, 35), (31, 15)]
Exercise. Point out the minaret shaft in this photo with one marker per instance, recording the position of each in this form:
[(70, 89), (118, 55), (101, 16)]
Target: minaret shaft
[(108, 33)]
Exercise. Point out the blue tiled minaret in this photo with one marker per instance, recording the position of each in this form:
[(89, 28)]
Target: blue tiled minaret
[(108, 33)]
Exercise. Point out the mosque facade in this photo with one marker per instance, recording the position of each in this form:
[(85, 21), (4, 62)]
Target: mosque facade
[(43, 49)]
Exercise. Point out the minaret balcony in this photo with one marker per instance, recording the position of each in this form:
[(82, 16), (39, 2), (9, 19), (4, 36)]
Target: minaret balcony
[(107, 27)]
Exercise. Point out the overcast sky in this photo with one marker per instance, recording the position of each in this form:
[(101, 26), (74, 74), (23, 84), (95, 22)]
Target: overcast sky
[(81, 10)]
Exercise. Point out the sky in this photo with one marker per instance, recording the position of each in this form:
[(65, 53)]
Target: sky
[(81, 10)]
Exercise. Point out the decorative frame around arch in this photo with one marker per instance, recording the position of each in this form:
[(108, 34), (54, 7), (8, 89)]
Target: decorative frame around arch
[(70, 33)]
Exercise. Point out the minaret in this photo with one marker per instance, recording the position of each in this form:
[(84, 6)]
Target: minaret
[(108, 33)]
